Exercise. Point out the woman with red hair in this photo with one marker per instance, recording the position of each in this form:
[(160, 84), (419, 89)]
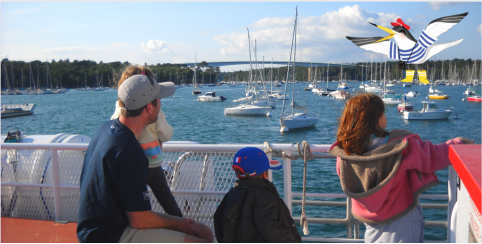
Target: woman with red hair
[(384, 172)]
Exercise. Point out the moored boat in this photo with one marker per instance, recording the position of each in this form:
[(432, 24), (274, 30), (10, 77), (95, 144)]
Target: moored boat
[(247, 110), (210, 97), (474, 99), (14, 110), (430, 111), (438, 96)]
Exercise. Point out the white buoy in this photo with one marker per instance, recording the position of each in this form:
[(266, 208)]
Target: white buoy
[(426, 97), (284, 129), (268, 114), (463, 99)]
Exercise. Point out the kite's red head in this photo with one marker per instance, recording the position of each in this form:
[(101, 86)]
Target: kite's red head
[(400, 23)]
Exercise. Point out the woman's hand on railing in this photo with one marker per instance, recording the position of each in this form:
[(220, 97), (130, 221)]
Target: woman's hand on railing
[(465, 140)]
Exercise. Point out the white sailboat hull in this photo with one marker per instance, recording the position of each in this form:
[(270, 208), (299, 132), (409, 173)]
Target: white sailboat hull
[(299, 121), (247, 110)]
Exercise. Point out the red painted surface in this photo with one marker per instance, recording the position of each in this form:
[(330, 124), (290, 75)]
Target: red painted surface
[(466, 160), (31, 230), (475, 99)]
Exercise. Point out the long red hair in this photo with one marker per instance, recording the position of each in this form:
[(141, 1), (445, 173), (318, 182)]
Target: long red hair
[(359, 121)]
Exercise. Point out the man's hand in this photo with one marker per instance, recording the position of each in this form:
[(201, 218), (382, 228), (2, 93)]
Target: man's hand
[(184, 225)]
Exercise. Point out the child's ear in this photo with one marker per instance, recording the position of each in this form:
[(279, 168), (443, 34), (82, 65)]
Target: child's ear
[(266, 175)]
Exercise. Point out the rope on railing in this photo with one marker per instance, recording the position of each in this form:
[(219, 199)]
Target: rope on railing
[(278, 152), (306, 156)]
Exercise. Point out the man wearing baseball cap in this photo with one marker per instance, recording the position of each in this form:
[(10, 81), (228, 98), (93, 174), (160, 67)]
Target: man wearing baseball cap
[(253, 211), (114, 201)]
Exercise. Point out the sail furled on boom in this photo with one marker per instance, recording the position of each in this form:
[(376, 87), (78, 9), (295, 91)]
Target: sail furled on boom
[(295, 105)]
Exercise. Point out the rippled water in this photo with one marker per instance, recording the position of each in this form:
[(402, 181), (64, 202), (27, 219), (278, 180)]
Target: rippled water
[(83, 112)]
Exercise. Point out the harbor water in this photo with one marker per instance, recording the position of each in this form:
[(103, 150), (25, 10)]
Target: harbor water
[(82, 112)]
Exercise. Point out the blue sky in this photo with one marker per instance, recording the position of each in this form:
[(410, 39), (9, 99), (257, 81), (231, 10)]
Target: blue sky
[(167, 32)]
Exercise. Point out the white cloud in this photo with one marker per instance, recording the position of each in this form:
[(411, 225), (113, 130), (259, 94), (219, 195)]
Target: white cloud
[(155, 46), (325, 35), (439, 5), (479, 29)]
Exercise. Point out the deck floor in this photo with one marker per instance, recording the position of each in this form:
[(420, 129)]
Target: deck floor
[(34, 231)]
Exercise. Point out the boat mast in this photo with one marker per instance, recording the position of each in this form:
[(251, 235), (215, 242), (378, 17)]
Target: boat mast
[(250, 64), (294, 65), (288, 70), (327, 75)]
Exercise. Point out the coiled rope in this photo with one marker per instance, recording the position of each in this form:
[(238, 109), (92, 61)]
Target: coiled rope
[(306, 156)]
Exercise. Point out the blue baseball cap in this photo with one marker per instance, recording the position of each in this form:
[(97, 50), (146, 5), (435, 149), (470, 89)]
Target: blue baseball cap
[(253, 161)]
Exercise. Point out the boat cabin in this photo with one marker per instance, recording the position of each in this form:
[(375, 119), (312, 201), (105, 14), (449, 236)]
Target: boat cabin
[(429, 106), (212, 94)]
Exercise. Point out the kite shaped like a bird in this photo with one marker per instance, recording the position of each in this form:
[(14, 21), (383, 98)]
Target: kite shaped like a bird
[(406, 48)]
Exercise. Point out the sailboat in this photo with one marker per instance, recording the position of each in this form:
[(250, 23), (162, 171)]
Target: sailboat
[(249, 109), (294, 120), (342, 84), (388, 98), (195, 89)]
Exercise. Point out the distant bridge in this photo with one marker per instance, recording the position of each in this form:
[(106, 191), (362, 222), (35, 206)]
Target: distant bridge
[(267, 63)]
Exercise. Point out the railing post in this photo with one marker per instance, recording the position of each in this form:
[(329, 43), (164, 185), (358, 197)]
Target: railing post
[(55, 175), (349, 226), (287, 181), (452, 195)]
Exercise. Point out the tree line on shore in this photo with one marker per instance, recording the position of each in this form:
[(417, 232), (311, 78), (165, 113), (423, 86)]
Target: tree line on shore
[(88, 73)]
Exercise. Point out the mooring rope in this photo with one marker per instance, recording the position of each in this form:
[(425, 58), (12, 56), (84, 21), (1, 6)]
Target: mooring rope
[(279, 153), (306, 156)]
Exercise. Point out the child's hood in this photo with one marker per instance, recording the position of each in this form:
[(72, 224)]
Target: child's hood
[(362, 176)]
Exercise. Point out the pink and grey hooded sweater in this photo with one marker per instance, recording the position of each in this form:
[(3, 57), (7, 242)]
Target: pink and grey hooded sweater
[(385, 183)]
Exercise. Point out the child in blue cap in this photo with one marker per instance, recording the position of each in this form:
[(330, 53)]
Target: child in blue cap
[(253, 211)]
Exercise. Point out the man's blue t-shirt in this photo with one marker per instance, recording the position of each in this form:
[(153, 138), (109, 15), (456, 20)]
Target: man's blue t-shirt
[(113, 181)]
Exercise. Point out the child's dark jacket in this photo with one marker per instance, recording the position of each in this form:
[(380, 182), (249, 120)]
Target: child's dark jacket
[(264, 217)]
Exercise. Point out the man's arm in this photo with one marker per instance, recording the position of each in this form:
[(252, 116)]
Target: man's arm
[(149, 219)]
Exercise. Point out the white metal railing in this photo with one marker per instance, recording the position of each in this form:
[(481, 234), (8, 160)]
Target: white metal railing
[(226, 152)]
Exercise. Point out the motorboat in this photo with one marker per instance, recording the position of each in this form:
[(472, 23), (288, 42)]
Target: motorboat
[(474, 99), (430, 111), (412, 94), (433, 90), (469, 91), (340, 95), (405, 106), (373, 89), (320, 92), (438, 96), (210, 97), (297, 121), (247, 110), (317, 90), (391, 101)]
